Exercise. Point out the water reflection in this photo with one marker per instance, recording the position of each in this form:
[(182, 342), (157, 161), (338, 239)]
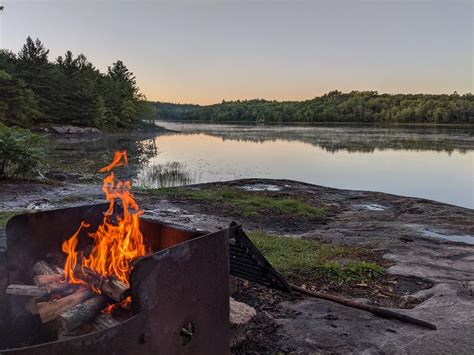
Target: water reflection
[(431, 162), (346, 137), (87, 154)]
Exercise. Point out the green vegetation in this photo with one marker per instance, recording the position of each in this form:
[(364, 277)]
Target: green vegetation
[(335, 106), (22, 153), (309, 259), (172, 111), (247, 203), (69, 90)]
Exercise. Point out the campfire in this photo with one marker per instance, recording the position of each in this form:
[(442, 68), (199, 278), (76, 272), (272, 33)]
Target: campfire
[(79, 273), (96, 280)]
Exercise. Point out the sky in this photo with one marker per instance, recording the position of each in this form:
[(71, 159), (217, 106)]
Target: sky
[(208, 51)]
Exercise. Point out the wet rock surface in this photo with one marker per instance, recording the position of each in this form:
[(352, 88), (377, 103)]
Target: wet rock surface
[(393, 224)]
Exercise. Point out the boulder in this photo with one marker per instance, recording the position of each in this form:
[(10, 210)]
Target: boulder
[(69, 129)]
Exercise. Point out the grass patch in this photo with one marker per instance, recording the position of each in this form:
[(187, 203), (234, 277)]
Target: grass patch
[(248, 203), (309, 259)]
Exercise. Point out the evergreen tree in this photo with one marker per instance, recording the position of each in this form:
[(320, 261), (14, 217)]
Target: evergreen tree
[(70, 90)]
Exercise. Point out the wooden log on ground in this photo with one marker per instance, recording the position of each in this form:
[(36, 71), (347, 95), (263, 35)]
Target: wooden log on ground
[(52, 309), (82, 313), (26, 290), (42, 280), (104, 321), (42, 267), (377, 311), (114, 289)]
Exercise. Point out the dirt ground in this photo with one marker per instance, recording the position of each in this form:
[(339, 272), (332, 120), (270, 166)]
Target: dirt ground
[(428, 248)]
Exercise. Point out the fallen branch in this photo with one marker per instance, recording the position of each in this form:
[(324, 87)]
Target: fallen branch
[(381, 312)]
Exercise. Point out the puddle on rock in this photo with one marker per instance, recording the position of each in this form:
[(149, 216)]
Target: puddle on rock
[(371, 207), (468, 239), (261, 187)]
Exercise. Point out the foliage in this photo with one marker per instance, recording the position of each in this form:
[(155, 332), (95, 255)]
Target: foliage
[(309, 259), (69, 90), (170, 111), (22, 153), (247, 203), (335, 106)]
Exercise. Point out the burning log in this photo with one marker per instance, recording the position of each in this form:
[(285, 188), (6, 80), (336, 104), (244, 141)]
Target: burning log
[(114, 289), (52, 309), (44, 268), (81, 313), (26, 290), (110, 286), (104, 321)]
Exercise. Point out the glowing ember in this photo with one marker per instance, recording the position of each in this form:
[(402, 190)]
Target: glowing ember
[(117, 241)]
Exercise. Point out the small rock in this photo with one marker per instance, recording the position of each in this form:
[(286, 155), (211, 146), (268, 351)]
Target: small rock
[(240, 315)]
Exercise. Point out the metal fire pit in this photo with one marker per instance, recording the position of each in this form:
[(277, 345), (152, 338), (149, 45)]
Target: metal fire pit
[(184, 283)]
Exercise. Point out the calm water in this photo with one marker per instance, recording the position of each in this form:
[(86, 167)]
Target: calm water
[(431, 162), (434, 163)]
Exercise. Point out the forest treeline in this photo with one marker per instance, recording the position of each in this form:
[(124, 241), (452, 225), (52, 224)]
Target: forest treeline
[(67, 90), (335, 106)]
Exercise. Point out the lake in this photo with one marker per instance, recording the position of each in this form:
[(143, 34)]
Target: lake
[(431, 162)]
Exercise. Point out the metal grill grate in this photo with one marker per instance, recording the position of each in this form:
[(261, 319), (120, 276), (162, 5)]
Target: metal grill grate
[(248, 263)]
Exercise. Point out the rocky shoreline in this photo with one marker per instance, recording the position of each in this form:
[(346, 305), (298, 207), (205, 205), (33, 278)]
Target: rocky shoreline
[(423, 240)]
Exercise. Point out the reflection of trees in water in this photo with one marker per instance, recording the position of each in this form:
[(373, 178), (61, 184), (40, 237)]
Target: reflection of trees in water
[(164, 175), (352, 139), (86, 155)]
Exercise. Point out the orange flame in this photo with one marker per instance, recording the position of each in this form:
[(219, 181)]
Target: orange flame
[(116, 243)]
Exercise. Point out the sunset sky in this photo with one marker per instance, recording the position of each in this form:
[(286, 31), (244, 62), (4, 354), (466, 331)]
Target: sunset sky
[(206, 51)]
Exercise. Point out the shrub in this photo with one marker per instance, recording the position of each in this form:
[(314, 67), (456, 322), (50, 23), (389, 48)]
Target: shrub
[(22, 153)]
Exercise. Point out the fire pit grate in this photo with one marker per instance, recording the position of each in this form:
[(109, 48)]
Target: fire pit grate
[(179, 303), (248, 263)]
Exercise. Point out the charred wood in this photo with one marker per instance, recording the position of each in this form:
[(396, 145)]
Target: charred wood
[(114, 289), (82, 313), (44, 268)]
